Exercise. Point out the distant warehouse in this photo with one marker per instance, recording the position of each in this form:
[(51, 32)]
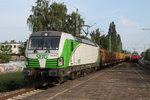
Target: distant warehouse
[(9, 48)]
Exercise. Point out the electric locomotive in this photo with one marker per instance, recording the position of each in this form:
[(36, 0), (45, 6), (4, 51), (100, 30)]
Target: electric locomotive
[(57, 56), (135, 57)]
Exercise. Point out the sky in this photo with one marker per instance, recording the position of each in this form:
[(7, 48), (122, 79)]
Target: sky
[(130, 17)]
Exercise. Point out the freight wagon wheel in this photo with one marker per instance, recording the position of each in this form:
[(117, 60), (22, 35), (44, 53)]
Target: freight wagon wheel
[(83, 73), (94, 69), (65, 78), (61, 80), (72, 76)]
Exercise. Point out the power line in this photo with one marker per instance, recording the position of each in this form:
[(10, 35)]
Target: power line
[(73, 7), (144, 38), (87, 21), (147, 29)]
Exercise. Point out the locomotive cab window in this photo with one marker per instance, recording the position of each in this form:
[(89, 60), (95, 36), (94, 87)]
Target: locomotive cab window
[(35, 43), (51, 43), (40, 43), (134, 54)]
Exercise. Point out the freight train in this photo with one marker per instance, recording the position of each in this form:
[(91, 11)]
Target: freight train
[(58, 56)]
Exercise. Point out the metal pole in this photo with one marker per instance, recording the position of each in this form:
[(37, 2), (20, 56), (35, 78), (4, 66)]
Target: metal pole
[(77, 23), (119, 46), (144, 48), (110, 42)]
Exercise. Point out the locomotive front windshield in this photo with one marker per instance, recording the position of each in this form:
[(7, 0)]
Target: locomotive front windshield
[(43, 43), (134, 54), (36, 43), (51, 43)]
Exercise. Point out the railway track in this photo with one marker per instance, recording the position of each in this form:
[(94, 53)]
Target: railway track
[(16, 93), (144, 68), (116, 83), (144, 65), (20, 94), (31, 91), (109, 78)]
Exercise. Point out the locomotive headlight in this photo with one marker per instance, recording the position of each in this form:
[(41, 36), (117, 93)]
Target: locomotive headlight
[(60, 61), (46, 34)]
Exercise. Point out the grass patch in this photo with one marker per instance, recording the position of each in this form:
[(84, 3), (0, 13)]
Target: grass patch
[(148, 63), (124, 64), (12, 81)]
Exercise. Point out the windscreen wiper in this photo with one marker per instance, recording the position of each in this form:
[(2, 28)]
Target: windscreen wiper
[(47, 50), (35, 51)]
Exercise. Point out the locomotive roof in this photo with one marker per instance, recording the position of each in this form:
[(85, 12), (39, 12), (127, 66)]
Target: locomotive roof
[(57, 33), (46, 33)]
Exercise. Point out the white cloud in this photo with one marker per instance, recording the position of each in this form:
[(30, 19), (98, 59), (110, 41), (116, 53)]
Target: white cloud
[(127, 22), (114, 11)]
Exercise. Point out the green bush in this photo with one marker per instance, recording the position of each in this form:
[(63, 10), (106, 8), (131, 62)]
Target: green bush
[(147, 55), (13, 81), (4, 58)]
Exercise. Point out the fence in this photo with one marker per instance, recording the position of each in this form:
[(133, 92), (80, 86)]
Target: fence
[(12, 66)]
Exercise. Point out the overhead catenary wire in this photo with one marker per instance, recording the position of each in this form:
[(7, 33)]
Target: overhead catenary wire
[(144, 38), (73, 8)]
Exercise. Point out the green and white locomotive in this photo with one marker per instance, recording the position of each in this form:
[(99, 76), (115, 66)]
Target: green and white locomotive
[(57, 56)]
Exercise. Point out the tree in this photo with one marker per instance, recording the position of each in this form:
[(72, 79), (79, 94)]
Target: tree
[(100, 40), (116, 44), (22, 48), (13, 41), (147, 55), (104, 42), (119, 43), (6, 42), (95, 36), (58, 15), (38, 21), (54, 17), (74, 24), (92, 34), (5, 49)]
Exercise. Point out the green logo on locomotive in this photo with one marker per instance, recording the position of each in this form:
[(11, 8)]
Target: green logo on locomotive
[(42, 56)]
